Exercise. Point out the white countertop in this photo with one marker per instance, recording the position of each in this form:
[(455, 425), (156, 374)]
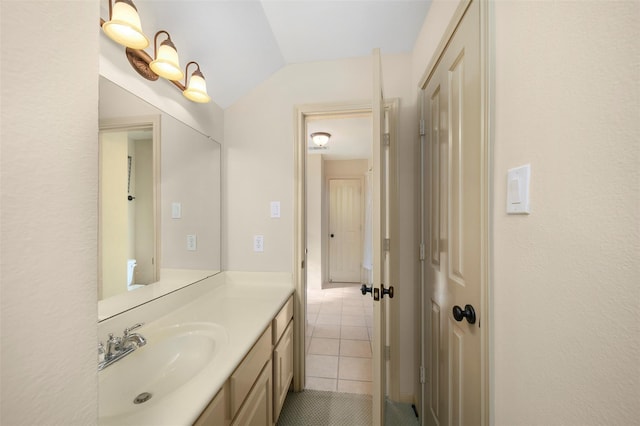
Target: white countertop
[(244, 304)]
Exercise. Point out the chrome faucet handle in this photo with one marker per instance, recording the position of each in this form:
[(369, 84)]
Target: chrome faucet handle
[(113, 345), (101, 352), (133, 327)]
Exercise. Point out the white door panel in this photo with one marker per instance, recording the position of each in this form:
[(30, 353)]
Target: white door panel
[(453, 115), (345, 227)]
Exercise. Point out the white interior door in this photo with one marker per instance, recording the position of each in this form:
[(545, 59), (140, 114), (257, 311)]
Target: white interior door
[(452, 102), (380, 233), (345, 230)]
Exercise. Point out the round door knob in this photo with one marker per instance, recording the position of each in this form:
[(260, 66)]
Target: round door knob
[(387, 291), (331, 235), (469, 313), (364, 289)]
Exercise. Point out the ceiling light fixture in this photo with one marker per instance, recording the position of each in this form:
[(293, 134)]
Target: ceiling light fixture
[(166, 62), (320, 138), (124, 26), (196, 88)]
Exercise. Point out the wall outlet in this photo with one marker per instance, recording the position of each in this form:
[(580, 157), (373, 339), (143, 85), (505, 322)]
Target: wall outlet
[(258, 243), (192, 242)]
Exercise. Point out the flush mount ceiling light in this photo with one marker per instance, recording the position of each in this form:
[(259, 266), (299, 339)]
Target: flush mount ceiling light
[(196, 88), (320, 138), (124, 26), (166, 62)]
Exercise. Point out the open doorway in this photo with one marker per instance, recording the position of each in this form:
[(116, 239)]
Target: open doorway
[(338, 351)]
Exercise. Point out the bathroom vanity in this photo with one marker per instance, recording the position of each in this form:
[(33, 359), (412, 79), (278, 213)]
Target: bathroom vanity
[(256, 390), (221, 353)]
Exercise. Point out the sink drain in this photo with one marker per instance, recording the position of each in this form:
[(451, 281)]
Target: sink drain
[(143, 397)]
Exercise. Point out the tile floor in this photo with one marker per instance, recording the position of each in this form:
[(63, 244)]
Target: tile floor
[(339, 331)]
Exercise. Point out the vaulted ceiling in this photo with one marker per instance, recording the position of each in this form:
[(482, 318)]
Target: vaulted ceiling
[(240, 43)]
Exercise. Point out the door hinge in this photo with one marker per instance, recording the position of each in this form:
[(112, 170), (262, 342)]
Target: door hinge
[(387, 353), (386, 244), (386, 140), (422, 375), (422, 250), (302, 264), (422, 127)]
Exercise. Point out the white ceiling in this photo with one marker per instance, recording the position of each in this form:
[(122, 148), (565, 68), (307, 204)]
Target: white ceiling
[(351, 137), (240, 43)]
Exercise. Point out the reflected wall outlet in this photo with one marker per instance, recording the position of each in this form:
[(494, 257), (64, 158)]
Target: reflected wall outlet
[(191, 242), (258, 243)]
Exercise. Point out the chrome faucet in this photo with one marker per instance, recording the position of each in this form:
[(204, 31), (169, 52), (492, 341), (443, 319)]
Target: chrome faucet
[(119, 347), (135, 339)]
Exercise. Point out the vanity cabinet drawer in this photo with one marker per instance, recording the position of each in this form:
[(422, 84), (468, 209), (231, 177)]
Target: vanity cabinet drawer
[(281, 320), (245, 375)]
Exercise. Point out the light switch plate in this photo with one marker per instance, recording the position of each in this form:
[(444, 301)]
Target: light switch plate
[(275, 209), (176, 210), (518, 180)]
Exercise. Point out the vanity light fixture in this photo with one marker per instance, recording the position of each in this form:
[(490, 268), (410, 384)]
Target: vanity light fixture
[(124, 26), (196, 88), (166, 62), (320, 138)]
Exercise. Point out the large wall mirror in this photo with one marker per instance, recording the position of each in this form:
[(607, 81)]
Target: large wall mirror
[(159, 196)]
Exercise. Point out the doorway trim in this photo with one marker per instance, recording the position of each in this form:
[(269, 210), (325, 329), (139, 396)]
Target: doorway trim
[(330, 110)]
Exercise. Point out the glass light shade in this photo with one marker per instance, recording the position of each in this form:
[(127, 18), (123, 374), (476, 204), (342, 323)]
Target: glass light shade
[(197, 90), (320, 138), (166, 63), (124, 26)]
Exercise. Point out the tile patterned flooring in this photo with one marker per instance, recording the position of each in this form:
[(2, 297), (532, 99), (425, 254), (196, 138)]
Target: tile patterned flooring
[(338, 339)]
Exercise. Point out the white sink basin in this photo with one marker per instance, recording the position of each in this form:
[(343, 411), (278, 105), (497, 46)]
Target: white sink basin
[(170, 359)]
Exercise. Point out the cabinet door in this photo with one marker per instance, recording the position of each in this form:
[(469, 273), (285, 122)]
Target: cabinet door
[(282, 370), (258, 407), (215, 414)]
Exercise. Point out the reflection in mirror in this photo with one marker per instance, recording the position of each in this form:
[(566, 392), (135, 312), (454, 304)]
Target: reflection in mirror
[(159, 202), (127, 234)]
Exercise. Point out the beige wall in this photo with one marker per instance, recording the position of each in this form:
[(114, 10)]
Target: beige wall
[(258, 151), (48, 225), (566, 346)]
